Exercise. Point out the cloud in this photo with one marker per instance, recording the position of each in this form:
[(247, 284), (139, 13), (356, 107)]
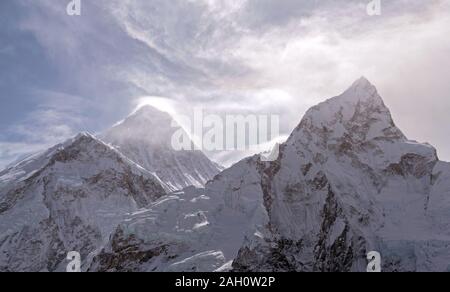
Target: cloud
[(248, 56), (57, 118), (9, 152)]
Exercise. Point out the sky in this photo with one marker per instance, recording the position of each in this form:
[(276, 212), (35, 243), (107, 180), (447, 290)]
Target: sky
[(62, 74)]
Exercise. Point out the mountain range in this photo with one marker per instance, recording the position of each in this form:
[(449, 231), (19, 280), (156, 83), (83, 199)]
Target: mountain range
[(346, 182)]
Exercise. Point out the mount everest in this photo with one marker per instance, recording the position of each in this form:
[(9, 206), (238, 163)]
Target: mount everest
[(145, 137), (346, 182)]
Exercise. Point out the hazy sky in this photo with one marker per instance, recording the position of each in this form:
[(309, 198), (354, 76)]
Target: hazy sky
[(63, 74)]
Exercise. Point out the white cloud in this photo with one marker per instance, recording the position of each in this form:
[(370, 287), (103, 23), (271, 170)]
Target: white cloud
[(9, 152), (316, 53), (255, 56), (58, 117)]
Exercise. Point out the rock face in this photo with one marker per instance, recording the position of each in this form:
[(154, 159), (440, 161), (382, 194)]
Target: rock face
[(69, 198), (346, 182), (145, 137)]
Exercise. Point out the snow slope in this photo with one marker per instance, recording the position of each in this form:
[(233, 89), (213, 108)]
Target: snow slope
[(346, 182), (69, 198), (145, 137)]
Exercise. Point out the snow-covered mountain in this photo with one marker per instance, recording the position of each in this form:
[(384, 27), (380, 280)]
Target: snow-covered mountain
[(69, 198), (346, 182), (145, 137)]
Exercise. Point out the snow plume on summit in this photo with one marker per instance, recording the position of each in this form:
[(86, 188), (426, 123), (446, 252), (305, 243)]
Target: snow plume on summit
[(145, 137)]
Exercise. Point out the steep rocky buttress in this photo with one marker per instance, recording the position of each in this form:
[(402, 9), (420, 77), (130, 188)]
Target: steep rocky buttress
[(346, 182)]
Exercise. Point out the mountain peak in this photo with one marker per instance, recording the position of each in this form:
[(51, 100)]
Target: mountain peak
[(147, 124), (145, 137), (361, 90), (84, 139), (149, 117), (84, 135), (362, 81), (149, 111), (361, 95), (359, 112)]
